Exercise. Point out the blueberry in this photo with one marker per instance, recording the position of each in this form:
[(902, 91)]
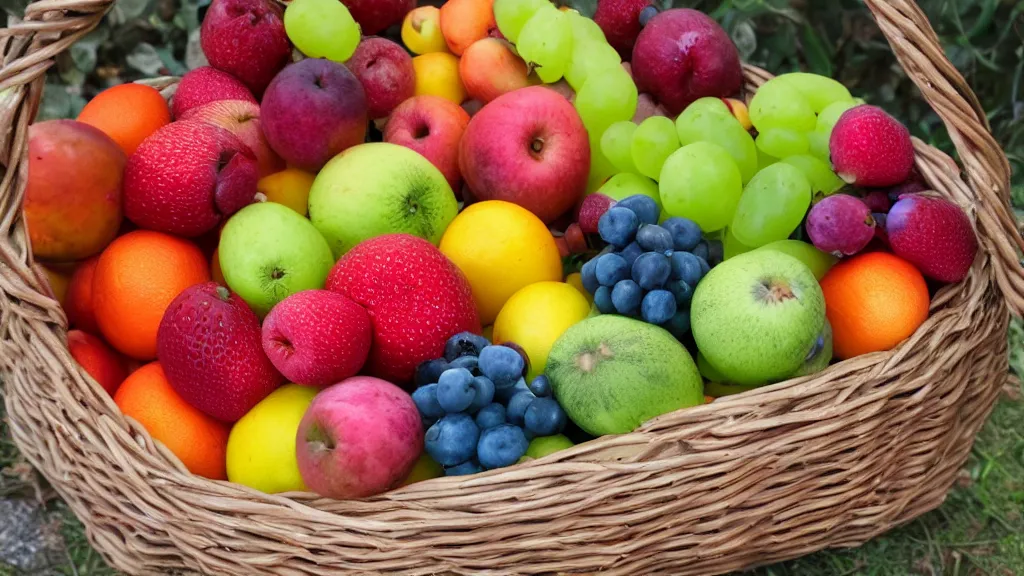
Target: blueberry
[(425, 398), (468, 362), (545, 417), (626, 297), (716, 252), (618, 226), (651, 270), (589, 275), (483, 393), (541, 386), (603, 300), (630, 253), (685, 233), (464, 344), (645, 208), (658, 306), (429, 371), (704, 266), (464, 469), (452, 440), (682, 291), (501, 446), (490, 416), (611, 268), (701, 250), (502, 365), (654, 238), (517, 406), (686, 267), (455, 390), (679, 324), (504, 394)]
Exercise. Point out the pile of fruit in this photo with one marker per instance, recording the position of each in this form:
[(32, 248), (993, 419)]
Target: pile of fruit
[(340, 264)]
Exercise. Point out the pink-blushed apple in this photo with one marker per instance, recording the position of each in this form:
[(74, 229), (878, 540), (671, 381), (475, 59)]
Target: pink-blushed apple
[(374, 16), (489, 68), (528, 147), (246, 39), (317, 337), (313, 110), (386, 73), (432, 126), (241, 118), (358, 438)]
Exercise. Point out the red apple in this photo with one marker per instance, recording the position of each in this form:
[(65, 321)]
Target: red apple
[(528, 147), (374, 16), (246, 39), (313, 110), (241, 118), (386, 73), (204, 85), (432, 126), (489, 68)]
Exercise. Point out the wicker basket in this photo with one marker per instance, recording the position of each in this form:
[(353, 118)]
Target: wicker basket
[(822, 461)]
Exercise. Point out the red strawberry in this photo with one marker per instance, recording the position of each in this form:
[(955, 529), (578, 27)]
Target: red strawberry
[(246, 38), (209, 346), (933, 234), (204, 85), (187, 177), (620, 22), (416, 298), (871, 148), (594, 206), (574, 239)]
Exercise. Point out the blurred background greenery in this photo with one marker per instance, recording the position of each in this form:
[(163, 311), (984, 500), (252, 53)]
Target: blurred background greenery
[(980, 530)]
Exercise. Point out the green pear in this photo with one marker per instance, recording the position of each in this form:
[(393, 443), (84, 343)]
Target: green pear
[(379, 188), (268, 252)]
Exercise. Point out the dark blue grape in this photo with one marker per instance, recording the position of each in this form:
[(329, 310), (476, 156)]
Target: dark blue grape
[(701, 250), (603, 300), (464, 344), (646, 14), (626, 297), (517, 406), (682, 291), (452, 439), (589, 275), (611, 269), (679, 324), (501, 446), (484, 393), (685, 233), (502, 365), (429, 371), (630, 253), (618, 226), (470, 363), (654, 238), (425, 398), (645, 208), (651, 270), (686, 267), (464, 469), (455, 390), (716, 253), (490, 416), (503, 395), (544, 417), (541, 386), (704, 266), (658, 307)]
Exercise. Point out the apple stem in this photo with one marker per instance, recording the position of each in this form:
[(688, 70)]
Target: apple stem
[(223, 293), (260, 197)]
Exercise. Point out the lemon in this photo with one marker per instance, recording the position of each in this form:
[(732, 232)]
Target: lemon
[(261, 447), (289, 187), (437, 74), (536, 316), (576, 281), (500, 247)]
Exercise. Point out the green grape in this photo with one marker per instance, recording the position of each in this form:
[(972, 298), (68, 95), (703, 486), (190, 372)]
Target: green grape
[(589, 58), (764, 160), (820, 91), (828, 117), (655, 140), (616, 145), (322, 29), (709, 120), (731, 246), (780, 142), (601, 167), (583, 29), (823, 180), (772, 205), (701, 181), (626, 184), (545, 42), (818, 146), (512, 15), (605, 99), (779, 105)]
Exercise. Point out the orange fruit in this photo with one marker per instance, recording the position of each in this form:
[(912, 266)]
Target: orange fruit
[(136, 278), (128, 113), (200, 442), (94, 356), (78, 304), (874, 301)]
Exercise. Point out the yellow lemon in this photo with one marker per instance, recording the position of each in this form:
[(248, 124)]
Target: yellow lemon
[(261, 447), (424, 469), (576, 281), (437, 74), (500, 247), (289, 187), (421, 31), (536, 316)]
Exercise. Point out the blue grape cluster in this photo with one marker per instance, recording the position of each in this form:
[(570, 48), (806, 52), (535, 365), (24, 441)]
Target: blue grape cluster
[(651, 270), (477, 408)]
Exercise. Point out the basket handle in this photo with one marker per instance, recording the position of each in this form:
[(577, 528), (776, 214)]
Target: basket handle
[(919, 52)]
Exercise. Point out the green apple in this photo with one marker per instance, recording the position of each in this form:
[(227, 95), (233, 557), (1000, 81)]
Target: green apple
[(261, 447), (819, 262), (380, 188), (819, 356), (269, 252), (756, 317)]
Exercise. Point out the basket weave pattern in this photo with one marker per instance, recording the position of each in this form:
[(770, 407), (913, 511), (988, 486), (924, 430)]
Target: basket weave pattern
[(822, 461)]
